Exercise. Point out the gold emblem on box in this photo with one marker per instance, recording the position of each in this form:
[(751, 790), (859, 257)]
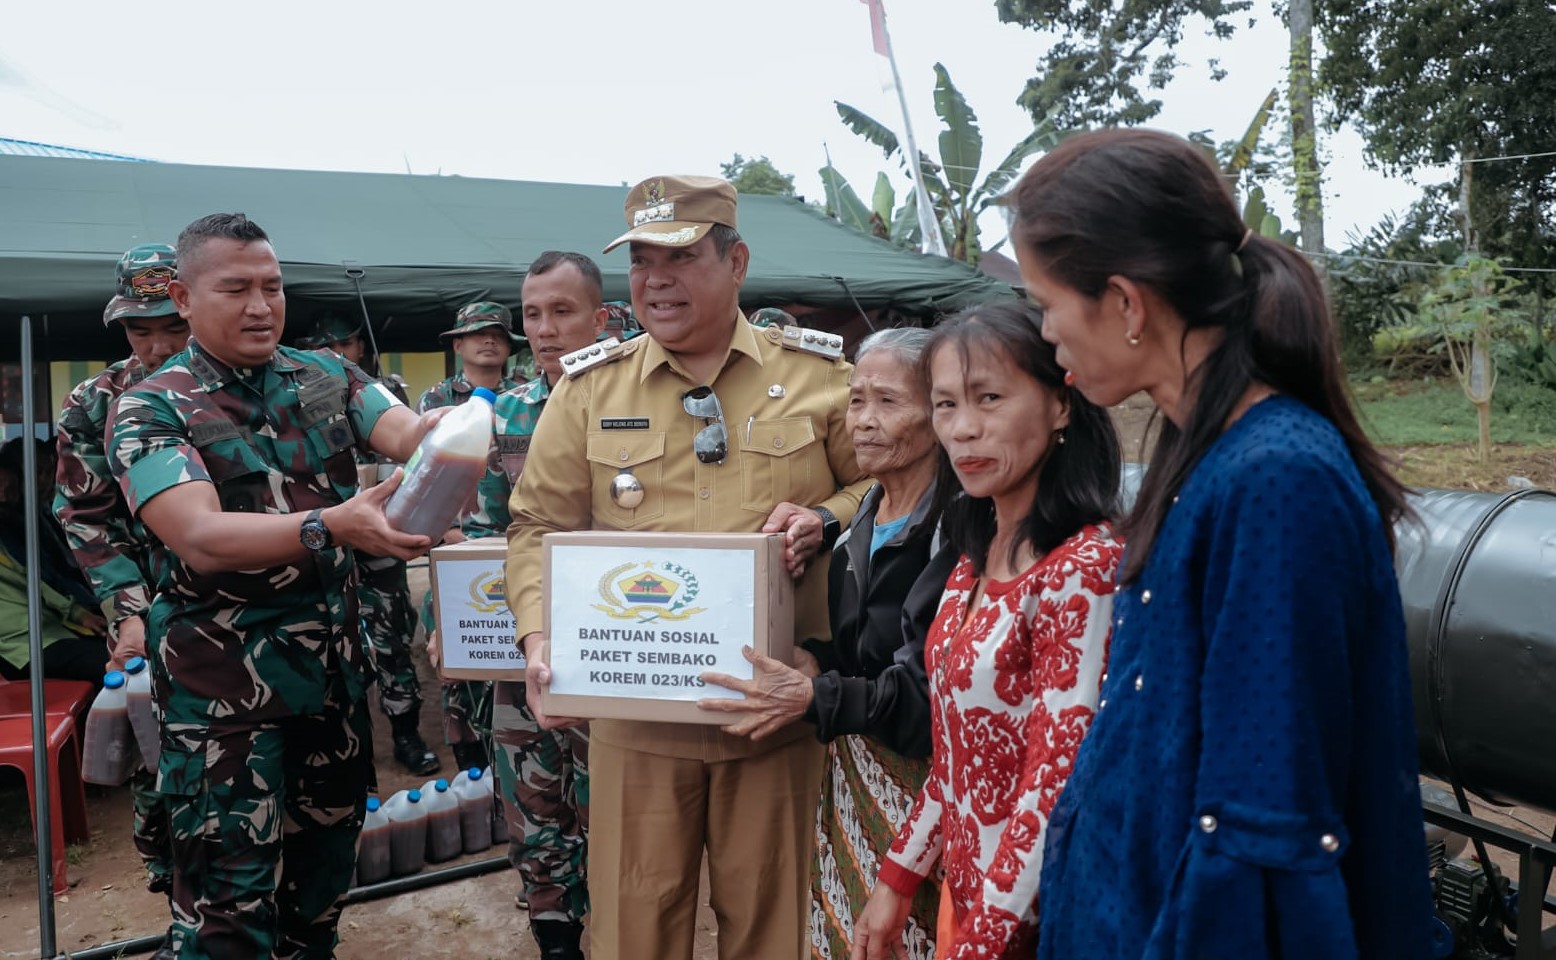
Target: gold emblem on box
[(648, 591)]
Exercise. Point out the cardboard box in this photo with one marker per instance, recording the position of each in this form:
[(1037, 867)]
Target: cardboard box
[(470, 608), (634, 619)]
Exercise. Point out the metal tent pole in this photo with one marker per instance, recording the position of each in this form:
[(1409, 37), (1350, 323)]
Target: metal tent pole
[(40, 754)]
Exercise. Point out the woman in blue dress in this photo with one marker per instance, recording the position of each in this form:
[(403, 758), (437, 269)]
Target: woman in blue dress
[(1249, 786)]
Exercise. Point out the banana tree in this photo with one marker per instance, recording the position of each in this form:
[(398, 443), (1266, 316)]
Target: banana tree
[(952, 182), (882, 217)]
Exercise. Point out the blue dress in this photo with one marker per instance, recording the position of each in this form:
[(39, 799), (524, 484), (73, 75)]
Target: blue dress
[(1248, 788)]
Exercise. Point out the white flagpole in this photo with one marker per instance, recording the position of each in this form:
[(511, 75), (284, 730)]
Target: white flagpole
[(928, 223)]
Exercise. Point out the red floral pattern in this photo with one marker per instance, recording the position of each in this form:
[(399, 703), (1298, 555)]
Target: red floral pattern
[(1014, 686)]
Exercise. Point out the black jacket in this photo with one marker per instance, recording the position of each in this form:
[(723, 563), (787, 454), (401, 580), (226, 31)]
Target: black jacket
[(873, 680)]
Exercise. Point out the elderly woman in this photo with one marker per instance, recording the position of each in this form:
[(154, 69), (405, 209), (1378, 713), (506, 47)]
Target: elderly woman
[(866, 691)]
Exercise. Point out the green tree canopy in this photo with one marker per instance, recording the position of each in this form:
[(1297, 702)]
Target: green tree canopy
[(1440, 81), (757, 175), (1109, 55)]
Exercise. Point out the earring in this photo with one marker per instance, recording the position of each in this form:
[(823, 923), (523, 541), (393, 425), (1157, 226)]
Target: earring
[(1059, 436), (1133, 338)]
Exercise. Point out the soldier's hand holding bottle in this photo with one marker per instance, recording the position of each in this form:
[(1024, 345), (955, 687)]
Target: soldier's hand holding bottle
[(129, 641), (360, 523)]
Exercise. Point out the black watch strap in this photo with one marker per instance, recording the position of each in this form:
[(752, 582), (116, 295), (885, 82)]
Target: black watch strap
[(313, 533), (831, 529)]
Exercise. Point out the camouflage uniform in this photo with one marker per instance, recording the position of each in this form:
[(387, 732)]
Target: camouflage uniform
[(467, 704), (384, 594), (260, 675), (109, 545), (543, 774), (110, 549)]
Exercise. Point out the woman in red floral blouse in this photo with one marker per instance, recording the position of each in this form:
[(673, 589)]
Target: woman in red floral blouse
[(1018, 648)]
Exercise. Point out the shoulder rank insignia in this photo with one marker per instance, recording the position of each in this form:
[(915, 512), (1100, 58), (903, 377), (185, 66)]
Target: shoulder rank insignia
[(594, 355), (828, 345)]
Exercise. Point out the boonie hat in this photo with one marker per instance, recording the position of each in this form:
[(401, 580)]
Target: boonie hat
[(333, 328), (141, 278), (676, 211), (480, 315)]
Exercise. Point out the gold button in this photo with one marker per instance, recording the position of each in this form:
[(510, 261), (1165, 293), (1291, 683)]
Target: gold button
[(1329, 842), (703, 493), (777, 443), (1208, 824), (623, 456), (1145, 597)]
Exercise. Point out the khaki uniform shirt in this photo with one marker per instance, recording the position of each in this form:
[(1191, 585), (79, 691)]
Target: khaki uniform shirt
[(784, 412)]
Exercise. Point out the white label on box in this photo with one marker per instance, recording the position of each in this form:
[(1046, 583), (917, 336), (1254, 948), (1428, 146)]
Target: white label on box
[(645, 623), (475, 629)]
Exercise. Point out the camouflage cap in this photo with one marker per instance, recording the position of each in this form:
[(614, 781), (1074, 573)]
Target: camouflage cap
[(676, 211), (480, 315), (333, 328), (772, 317), (141, 279)]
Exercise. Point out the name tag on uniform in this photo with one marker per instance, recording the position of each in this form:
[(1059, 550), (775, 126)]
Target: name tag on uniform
[(623, 423)]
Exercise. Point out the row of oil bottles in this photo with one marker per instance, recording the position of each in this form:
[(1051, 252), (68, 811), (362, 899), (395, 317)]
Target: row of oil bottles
[(440, 821)]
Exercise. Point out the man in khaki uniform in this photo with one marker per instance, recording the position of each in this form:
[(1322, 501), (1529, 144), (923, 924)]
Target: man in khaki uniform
[(706, 424)]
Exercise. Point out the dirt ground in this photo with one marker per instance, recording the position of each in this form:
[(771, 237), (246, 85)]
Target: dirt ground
[(107, 900)]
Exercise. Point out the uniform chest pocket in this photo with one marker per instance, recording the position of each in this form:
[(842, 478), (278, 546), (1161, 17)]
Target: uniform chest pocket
[(778, 461), (511, 452), (334, 444), (242, 479), (640, 454)]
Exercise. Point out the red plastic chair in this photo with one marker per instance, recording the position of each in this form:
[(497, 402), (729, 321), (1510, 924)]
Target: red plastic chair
[(67, 792), (59, 696)]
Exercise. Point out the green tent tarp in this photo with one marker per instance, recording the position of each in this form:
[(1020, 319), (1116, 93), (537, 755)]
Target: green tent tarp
[(425, 244)]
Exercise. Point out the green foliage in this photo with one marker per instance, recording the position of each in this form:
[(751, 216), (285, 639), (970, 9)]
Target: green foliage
[(842, 202), (1437, 81), (757, 175), (1108, 55), (1373, 297), (952, 183), (1434, 412)]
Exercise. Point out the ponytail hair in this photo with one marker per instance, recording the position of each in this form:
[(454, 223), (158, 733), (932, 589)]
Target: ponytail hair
[(1150, 206)]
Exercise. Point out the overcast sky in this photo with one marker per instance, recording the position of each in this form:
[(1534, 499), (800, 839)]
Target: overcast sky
[(608, 91)]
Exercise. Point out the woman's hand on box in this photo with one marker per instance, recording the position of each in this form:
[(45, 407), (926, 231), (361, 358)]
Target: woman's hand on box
[(776, 696)]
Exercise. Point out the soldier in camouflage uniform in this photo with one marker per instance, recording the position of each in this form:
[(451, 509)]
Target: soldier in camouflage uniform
[(383, 592), (109, 545), (237, 456), (482, 337), (543, 774)]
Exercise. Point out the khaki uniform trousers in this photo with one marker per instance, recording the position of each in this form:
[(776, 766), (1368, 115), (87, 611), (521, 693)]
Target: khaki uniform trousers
[(652, 818)]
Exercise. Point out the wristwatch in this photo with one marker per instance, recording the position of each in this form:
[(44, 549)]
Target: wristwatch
[(831, 529), (314, 534)]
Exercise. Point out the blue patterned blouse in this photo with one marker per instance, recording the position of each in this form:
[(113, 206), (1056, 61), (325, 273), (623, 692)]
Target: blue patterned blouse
[(1249, 787)]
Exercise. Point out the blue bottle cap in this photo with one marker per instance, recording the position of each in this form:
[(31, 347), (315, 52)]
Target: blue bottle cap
[(474, 773), (135, 665), (441, 786), (373, 803), (484, 394), (113, 679), (413, 796)]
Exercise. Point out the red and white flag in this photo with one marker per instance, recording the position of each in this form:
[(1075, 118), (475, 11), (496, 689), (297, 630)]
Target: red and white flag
[(878, 26)]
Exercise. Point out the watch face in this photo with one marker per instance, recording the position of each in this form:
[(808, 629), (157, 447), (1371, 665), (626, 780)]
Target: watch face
[(314, 535)]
